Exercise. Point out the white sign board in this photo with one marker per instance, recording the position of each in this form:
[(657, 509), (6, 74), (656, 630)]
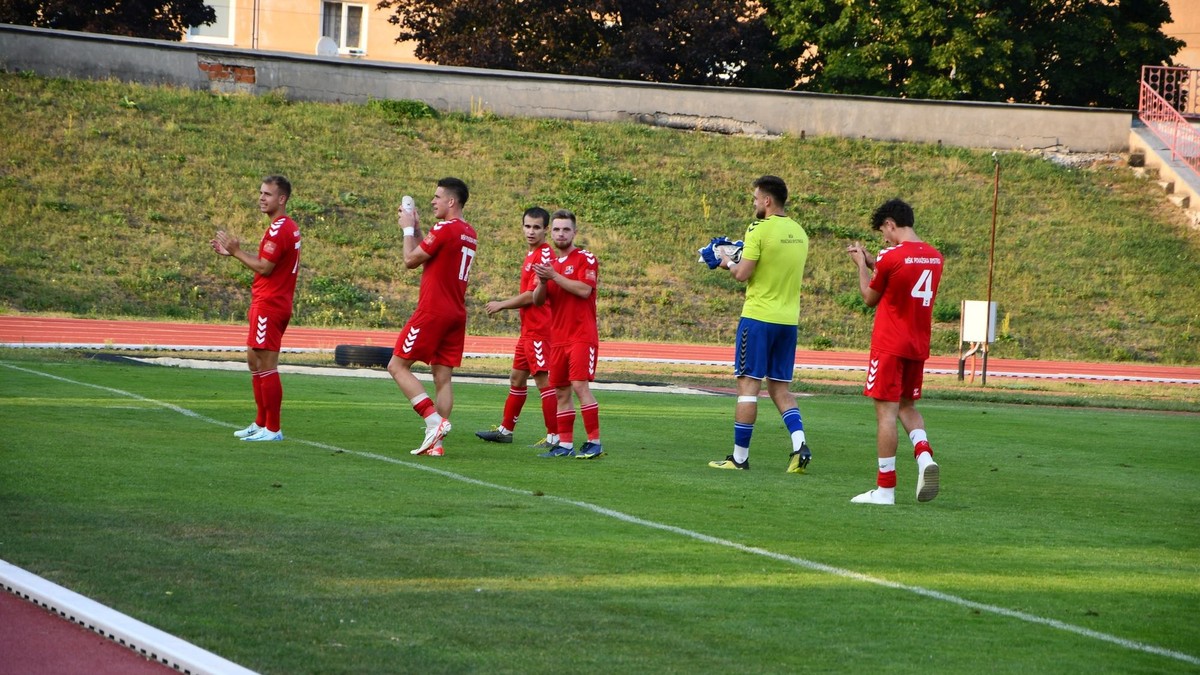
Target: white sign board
[(977, 321)]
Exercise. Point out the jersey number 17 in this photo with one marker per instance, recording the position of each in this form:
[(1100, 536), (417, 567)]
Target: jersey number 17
[(464, 265)]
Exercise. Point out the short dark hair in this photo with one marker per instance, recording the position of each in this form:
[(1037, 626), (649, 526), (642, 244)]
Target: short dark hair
[(458, 187), (775, 187), (896, 209), (537, 212), (284, 185), (563, 214)]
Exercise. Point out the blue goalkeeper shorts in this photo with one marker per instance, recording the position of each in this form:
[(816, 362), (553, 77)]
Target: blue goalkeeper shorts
[(764, 350)]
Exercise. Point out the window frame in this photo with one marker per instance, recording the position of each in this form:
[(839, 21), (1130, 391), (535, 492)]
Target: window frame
[(344, 26), (230, 39)]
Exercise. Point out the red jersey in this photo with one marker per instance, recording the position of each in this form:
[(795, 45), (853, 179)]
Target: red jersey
[(535, 321), (451, 245), (281, 245), (573, 318), (907, 276)]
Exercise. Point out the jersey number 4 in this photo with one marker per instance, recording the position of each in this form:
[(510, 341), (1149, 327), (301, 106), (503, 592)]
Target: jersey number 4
[(923, 289)]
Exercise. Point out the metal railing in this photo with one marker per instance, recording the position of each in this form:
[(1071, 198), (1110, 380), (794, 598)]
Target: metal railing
[(1167, 100)]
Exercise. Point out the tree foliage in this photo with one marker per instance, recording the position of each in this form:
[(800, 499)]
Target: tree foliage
[(160, 19), (718, 42), (1064, 52)]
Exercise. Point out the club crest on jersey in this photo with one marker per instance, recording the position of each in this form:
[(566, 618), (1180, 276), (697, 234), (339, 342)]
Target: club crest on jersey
[(569, 270)]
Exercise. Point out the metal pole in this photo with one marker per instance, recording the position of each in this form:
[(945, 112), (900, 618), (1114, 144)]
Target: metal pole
[(254, 27), (987, 332)]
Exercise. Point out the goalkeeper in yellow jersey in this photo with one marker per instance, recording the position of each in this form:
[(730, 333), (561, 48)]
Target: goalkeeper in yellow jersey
[(772, 266)]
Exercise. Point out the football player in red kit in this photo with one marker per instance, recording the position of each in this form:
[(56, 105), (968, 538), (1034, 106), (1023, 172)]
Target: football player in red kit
[(437, 330), (569, 284), (532, 355), (902, 290), (275, 269)]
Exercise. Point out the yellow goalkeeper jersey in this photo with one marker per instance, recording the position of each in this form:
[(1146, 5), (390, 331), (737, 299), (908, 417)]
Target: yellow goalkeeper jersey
[(780, 246)]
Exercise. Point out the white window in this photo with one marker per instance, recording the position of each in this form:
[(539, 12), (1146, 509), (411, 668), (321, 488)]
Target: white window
[(345, 24), (219, 33)]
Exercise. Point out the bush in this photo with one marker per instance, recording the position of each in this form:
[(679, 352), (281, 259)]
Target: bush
[(397, 112), (946, 312), (852, 301)]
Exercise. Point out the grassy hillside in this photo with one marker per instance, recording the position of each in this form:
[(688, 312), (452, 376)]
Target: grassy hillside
[(111, 192)]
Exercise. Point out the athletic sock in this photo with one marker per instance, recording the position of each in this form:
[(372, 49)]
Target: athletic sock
[(566, 428), (887, 473), (260, 416), (512, 407), (272, 393), (795, 426), (425, 408), (741, 441), (591, 420), (921, 447), (549, 410)]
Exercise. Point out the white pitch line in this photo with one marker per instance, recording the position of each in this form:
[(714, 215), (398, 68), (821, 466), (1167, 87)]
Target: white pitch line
[(691, 534)]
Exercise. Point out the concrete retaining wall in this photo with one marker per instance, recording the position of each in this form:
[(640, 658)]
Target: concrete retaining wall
[(506, 93)]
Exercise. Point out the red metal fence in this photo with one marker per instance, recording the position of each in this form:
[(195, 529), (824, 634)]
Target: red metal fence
[(1167, 100)]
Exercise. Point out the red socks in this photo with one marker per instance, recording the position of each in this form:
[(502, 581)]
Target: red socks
[(591, 420), (270, 389), (591, 423), (566, 426), (424, 406), (260, 417), (512, 407), (549, 409)]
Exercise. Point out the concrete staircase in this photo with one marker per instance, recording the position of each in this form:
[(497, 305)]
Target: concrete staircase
[(1151, 159)]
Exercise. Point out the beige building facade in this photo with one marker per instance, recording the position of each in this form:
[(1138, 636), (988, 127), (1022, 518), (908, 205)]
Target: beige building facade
[(1185, 25), (346, 29)]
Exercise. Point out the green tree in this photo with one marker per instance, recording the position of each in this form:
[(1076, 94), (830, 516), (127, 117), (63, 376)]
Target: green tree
[(159, 19), (1087, 53), (719, 42), (1065, 52)]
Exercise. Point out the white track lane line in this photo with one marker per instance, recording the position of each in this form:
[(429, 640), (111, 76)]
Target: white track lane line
[(691, 534)]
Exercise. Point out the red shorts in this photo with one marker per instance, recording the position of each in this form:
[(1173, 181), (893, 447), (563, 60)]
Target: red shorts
[(266, 328), (435, 339), (575, 362), (532, 355), (891, 378)]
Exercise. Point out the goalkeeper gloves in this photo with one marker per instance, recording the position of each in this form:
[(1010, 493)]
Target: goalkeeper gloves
[(708, 254)]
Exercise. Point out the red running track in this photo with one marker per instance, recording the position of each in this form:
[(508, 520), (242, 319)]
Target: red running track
[(36, 331), (35, 640)]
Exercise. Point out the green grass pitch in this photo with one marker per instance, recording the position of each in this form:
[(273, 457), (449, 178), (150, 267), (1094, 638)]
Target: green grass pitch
[(1064, 540)]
